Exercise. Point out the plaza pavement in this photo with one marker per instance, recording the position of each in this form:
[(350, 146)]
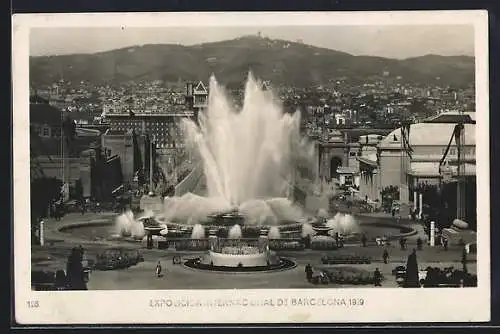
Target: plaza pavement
[(53, 256)]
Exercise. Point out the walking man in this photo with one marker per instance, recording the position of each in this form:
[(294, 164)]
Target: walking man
[(445, 243), (158, 269), (464, 260), (419, 243), (309, 272), (363, 240), (402, 243), (377, 278), (385, 256)]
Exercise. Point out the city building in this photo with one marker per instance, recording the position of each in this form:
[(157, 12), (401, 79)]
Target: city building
[(348, 176), (70, 160), (162, 127), (393, 165), (196, 97)]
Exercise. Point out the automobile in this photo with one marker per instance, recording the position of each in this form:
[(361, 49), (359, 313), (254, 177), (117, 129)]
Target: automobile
[(399, 272), (398, 269), (422, 275)]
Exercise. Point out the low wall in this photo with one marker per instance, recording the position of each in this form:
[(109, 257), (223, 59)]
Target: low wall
[(190, 181)]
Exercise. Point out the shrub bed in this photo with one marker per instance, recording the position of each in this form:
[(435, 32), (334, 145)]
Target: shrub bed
[(349, 275), (117, 259), (447, 277), (43, 277), (346, 259), (285, 245), (324, 245), (192, 245)]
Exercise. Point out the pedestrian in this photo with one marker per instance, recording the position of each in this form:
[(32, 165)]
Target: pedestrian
[(309, 272), (377, 277), (385, 256), (158, 269), (402, 243), (445, 243), (464, 260), (419, 243), (337, 239), (363, 240)]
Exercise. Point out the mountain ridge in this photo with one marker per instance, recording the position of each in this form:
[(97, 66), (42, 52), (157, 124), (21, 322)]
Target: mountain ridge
[(280, 61)]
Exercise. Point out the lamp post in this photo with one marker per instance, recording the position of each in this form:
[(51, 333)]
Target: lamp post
[(41, 233), (151, 166)]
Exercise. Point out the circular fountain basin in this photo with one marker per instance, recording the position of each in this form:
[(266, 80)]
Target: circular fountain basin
[(105, 229), (154, 229), (240, 263)]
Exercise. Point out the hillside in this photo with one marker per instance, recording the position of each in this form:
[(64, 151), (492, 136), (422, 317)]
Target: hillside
[(276, 60)]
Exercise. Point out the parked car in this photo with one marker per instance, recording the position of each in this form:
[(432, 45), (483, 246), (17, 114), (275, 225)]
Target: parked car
[(399, 272)]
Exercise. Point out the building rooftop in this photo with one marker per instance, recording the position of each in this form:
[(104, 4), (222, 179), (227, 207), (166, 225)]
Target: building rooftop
[(346, 170), (175, 113), (431, 169), (111, 132), (52, 146), (429, 134), (41, 113), (452, 117)]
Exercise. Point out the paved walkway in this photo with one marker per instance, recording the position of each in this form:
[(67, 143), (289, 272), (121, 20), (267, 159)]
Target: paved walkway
[(53, 256)]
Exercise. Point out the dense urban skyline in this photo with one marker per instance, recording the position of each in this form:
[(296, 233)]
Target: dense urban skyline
[(383, 41)]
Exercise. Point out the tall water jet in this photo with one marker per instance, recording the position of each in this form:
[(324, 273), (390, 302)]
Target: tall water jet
[(307, 230), (322, 213), (343, 223), (247, 155), (274, 233), (198, 232), (127, 226), (235, 232), (349, 224), (147, 214)]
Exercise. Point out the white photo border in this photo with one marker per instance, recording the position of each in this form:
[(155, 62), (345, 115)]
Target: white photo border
[(128, 307)]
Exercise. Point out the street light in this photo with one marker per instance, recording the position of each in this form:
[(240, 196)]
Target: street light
[(151, 193)]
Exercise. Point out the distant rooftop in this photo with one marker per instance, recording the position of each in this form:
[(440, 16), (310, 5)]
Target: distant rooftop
[(38, 99), (453, 117), (41, 113), (111, 132)]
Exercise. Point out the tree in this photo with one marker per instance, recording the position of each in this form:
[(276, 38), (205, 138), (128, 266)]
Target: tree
[(75, 271), (78, 190), (44, 191), (411, 277)]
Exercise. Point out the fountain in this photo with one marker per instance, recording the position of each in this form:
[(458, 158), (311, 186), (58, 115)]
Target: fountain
[(307, 230), (235, 232), (248, 157), (343, 224), (198, 232), (274, 233), (127, 226)]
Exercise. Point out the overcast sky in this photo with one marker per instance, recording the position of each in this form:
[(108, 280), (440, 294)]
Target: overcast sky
[(384, 41)]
